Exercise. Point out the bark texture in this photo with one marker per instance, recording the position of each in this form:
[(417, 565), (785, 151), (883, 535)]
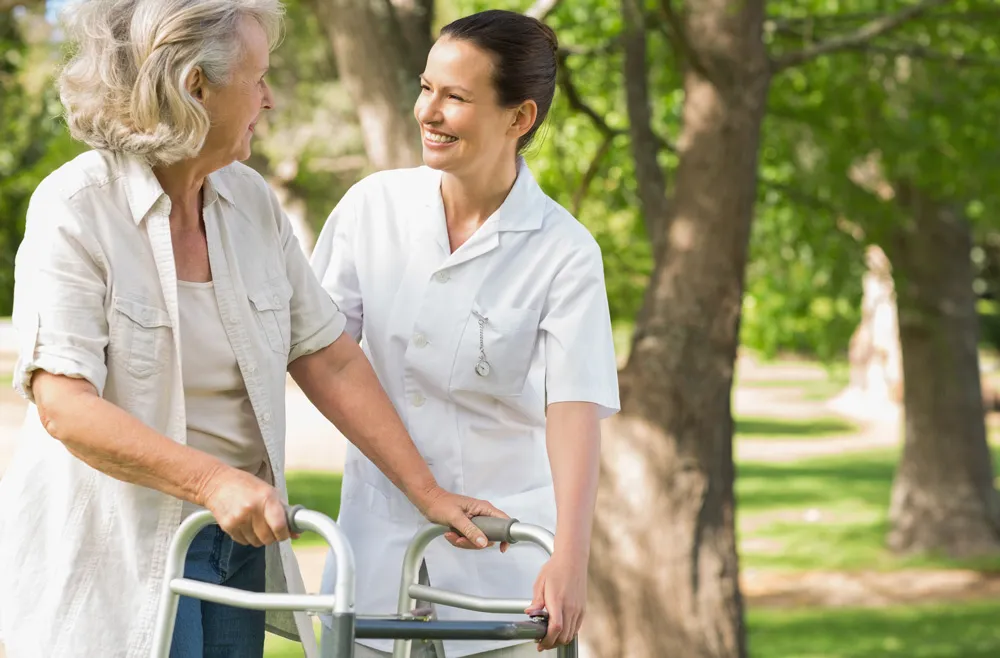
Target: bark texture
[(382, 81), (665, 573), (943, 496)]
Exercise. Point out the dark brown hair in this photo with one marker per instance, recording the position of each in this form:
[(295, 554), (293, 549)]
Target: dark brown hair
[(524, 53)]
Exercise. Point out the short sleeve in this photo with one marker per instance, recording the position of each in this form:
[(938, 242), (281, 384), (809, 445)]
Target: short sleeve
[(60, 286), (580, 363), (333, 262), (316, 320)]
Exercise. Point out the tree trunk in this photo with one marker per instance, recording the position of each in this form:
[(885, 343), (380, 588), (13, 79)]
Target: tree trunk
[(665, 573), (943, 498), (382, 81)]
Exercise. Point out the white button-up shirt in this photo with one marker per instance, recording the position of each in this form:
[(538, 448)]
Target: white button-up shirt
[(96, 298), (535, 274)]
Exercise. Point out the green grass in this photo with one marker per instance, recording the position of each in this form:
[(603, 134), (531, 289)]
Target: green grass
[(317, 490), (826, 513), (967, 630), (809, 389), (777, 428)]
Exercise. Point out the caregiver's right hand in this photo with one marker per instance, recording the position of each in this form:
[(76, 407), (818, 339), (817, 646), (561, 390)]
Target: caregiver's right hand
[(246, 508), (456, 511)]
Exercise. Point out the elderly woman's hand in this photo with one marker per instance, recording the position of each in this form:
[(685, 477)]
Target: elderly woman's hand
[(248, 509)]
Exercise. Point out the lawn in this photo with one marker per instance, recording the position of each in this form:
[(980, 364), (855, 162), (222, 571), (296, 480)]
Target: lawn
[(824, 513), (317, 490), (750, 427), (968, 630)]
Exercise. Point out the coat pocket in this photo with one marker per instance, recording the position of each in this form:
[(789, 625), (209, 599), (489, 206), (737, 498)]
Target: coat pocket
[(273, 312), (140, 337), (507, 340)]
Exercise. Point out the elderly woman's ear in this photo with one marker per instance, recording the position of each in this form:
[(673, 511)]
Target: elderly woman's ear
[(195, 83)]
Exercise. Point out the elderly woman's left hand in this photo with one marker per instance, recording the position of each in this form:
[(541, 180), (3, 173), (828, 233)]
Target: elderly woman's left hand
[(456, 511)]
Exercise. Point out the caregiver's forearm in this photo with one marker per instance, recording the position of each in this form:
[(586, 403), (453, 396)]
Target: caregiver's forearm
[(118, 444), (573, 439), (341, 383)]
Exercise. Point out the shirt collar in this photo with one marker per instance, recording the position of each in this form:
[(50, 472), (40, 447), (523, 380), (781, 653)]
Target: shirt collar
[(522, 210), (144, 190)]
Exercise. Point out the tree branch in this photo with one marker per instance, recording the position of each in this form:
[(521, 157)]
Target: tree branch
[(591, 173), (678, 38), (541, 9), (861, 36), (651, 181), (577, 103)]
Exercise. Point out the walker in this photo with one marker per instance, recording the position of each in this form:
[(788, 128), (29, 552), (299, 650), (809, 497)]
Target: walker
[(408, 624)]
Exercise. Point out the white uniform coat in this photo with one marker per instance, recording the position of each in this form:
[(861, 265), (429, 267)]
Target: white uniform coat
[(536, 275)]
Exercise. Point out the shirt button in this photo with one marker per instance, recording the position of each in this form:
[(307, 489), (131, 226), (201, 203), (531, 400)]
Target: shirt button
[(274, 299), (267, 418), (417, 399), (442, 276), (420, 340)]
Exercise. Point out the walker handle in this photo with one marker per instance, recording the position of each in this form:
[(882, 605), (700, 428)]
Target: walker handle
[(495, 529), (290, 513)]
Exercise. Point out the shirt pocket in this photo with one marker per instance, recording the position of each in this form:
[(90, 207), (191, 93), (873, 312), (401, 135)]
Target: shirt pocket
[(140, 337), (508, 340), (271, 305)]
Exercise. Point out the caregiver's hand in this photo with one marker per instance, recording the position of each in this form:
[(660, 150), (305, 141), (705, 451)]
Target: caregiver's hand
[(455, 511), (248, 509)]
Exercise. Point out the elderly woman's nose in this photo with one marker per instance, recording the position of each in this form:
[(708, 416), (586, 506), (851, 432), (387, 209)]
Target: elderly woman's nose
[(267, 102)]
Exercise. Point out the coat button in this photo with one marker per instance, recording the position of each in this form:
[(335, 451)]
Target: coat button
[(442, 276), (420, 340), (417, 399)]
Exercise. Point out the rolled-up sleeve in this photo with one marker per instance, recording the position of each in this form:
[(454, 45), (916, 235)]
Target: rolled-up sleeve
[(580, 361), (316, 320), (334, 265), (60, 285)]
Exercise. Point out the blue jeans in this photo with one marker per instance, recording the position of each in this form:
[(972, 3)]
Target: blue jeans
[(212, 630)]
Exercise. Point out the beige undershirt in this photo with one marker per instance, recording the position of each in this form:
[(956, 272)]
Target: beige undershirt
[(220, 418)]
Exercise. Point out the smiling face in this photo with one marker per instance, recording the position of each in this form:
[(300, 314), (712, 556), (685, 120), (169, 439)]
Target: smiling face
[(463, 127), (235, 107)]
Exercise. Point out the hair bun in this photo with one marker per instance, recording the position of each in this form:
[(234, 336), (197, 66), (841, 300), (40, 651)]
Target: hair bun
[(550, 36)]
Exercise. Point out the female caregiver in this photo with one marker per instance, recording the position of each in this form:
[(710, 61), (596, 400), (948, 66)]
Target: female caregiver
[(481, 304), (160, 299)]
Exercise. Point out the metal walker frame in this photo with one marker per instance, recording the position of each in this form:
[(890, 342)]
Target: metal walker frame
[(409, 623)]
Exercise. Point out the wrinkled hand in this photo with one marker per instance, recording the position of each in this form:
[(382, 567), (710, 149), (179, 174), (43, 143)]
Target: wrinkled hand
[(455, 511), (248, 509), (561, 590)]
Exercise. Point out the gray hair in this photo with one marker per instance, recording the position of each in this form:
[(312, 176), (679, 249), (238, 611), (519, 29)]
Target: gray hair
[(124, 87)]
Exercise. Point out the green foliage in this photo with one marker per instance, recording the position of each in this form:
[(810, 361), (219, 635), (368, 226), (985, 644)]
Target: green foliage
[(33, 138)]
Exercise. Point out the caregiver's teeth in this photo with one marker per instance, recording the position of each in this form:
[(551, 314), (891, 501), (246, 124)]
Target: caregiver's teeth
[(441, 139)]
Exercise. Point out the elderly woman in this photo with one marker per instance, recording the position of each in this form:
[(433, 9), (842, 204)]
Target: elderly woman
[(160, 299)]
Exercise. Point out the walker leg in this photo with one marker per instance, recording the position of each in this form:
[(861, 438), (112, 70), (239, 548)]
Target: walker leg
[(338, 641)]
